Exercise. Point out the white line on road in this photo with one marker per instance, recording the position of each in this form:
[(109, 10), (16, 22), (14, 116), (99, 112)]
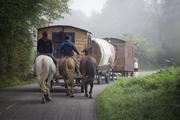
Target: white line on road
[(10, 106)]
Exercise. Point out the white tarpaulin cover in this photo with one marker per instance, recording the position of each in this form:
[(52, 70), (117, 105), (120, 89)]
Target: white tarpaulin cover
[(107, 51)]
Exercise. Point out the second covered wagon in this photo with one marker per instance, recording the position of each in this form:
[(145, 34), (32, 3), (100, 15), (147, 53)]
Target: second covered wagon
[(104, 53), (124, 58)]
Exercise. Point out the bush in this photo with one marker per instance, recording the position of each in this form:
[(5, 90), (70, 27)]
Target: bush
[(154, 97), (11, 81)]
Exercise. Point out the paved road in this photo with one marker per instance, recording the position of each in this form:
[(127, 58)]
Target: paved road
[(23, 103), (144, 73)]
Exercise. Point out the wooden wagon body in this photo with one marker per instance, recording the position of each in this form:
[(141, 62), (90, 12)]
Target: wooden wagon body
[(124, 58), (80, 37)]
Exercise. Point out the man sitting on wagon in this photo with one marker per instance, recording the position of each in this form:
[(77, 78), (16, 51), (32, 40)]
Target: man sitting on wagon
[(44, 46), (68, 48)]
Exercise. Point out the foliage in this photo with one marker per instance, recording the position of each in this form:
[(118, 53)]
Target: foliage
[(165, 21), (138, 41), (154, 97), (18, 20), (142, 52), (53, 9), (14, 81)]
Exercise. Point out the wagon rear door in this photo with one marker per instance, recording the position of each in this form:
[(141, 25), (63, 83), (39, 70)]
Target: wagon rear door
[(57, 39)]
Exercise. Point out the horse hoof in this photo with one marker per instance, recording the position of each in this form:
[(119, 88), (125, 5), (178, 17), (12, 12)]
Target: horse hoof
[(48, 99), (90, 96), (86, 95), (72, 95), (43, 101)]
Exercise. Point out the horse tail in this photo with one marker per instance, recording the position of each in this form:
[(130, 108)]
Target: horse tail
[(45, 69), (69, 68), (90, 70)]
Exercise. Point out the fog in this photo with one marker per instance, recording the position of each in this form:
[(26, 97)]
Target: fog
[(158, 21)]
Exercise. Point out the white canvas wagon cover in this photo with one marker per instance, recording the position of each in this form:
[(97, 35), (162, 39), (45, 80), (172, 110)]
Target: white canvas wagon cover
[(104, 52)]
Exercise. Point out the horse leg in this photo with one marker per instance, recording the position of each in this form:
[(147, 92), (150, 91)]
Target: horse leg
[(91, 87), (46, 91), (43, 99), (71, 88), (43, 91), (48, 96), (82, 88), (67, 87), (82, 85), (85, 85)]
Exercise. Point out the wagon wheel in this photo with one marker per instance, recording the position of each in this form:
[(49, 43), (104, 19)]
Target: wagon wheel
[(132, 73), (107, 78)]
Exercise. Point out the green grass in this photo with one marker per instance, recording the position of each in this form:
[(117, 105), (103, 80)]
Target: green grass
[(154, 97), (13, 81)]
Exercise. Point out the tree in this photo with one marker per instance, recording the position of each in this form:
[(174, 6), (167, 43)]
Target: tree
[(53, 9), (166, 16), (142, 52), (171, 30), (18, 19)]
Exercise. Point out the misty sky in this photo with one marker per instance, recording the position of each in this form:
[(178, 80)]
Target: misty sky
[(113, 18), (105, 18), (156, 22), (87, 6)]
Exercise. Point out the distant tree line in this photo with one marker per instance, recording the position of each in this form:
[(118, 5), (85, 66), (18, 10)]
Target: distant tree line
[(165, 19), (18, 21), (156, 22)]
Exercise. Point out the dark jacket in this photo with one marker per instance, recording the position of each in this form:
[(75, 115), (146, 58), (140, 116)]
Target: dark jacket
[(44, 46), (67, 48)]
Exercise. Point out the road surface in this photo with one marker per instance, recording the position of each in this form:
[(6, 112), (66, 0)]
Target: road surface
[(24, 103)]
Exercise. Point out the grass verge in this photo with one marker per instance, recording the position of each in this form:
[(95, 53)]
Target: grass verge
[(13, 81), (154, 97)]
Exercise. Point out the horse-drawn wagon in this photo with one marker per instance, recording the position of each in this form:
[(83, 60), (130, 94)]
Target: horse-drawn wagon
[(80, 37), (124, 58), (112, 55), (104, 53)]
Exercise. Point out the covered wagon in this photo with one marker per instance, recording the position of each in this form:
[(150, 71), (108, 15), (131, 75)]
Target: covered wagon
[(104, 53), (80, 37), (124, 58)]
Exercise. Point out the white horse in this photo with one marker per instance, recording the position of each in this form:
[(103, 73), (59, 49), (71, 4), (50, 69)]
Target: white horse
[(45, 71)]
